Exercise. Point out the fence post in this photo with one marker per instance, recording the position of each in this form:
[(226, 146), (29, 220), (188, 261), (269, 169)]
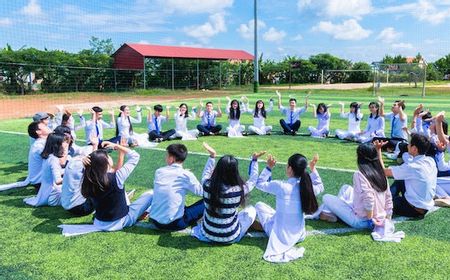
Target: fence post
[(321, 78), (115, 80), (290, 75), (173, 75), (220, 74), (424, 78), (240, 69), (198, 75), (145, 82)]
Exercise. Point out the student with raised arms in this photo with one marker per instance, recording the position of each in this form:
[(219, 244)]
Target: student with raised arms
[(291, 124), (208, 117), (295, 196)]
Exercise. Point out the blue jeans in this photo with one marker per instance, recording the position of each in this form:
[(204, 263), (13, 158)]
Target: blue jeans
[(191, 215), (345, 212)]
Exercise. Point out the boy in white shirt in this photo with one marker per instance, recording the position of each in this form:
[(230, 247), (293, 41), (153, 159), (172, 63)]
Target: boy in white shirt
[(291, 124), (171, 184), (208, 117), (95, 126), (155, 121), (415, 179)]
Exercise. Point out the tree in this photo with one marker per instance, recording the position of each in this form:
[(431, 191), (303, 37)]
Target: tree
[(362, 75), (101, 46), (443, 64)]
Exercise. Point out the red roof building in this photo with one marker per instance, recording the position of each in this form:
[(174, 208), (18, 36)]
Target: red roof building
[(131, 56)]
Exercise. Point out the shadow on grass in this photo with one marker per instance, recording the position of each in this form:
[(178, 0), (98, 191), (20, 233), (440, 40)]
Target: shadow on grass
[(14, 169), (51, 213), (48, 227), (16, 203)]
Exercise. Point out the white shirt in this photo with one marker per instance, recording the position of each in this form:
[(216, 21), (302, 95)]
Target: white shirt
[(160, 120), (205, 115), (181, 121), (375, 127), (323, 121), (96, 128), (288, 222), (397, 126), (259, 120), (292, 116), (35, 161), (71, 187), (354, 126), (170, 186), (420, 175), (49, 192), (123, 125)]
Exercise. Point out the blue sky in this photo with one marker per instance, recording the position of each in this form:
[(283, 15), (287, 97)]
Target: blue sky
[(358, 30)]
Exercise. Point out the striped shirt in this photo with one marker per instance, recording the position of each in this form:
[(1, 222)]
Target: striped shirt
[(222, 226)]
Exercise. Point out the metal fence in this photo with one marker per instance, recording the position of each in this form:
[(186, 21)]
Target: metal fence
[(19, 78)]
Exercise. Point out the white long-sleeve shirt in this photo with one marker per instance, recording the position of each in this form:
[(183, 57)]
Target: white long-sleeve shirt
[(354, 126), (95, 128), (289, 222), (123, 125)]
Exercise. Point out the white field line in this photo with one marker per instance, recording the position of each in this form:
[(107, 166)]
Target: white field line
[(203, 154)]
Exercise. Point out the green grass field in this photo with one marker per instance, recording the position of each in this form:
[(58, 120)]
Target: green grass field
[(33, 247)]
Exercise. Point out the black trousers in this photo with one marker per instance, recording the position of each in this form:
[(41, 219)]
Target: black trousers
[(83, 209), (288, 128), (152, 135), (401, 206), (205, 130)]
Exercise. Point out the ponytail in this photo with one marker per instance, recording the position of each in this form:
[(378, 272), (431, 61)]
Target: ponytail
[(309, 203)]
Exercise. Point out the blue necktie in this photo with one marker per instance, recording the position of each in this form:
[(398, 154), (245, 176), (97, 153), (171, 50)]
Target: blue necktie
[(392, 125), (156, 125), (292, 116), (97, 130), (209, 120)]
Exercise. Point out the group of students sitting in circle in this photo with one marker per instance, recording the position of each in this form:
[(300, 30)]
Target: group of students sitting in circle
[(85, 180)]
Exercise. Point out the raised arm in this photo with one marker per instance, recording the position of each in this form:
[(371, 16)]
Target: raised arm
[(314, 110), (125, 171), (200, 109), (402, 113), (149, 115), (439, 130), (219, 110), (378, 145), (210, 163), (315, 177), (167, 112), (227, 109), (253, 171), (138, 118), (279, 99), (381, 101), (342, 112), (263, 183)]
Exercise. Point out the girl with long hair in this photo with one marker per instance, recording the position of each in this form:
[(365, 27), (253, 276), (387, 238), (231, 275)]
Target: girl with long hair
[(259, 126), (295, 197), (55, 156), (375, 125), (224, 191), (323, 116), (182, 116), (234, 129), (354, 117), (369, 201), (124, 128)]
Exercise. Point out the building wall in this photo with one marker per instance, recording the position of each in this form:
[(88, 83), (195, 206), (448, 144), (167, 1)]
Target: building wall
[(127, 58)]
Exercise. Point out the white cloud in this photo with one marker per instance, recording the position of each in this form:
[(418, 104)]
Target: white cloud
[(5, 22), (196, 6), (273, 35), (405, 46), (32, 9), (434, 12), (338, 8), (247, 30), (388, 35), (299, 37), (215, 25), (143, 42), (348, 30), (123, 20)]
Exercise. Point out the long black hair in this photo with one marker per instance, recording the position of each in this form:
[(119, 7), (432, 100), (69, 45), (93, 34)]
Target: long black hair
[(298, 163), (369, 165), (186, 114), (53, 145), (262, 110), (356, 106), (95, 175), (234, 114), (373, 103), (321, 105), (122, 108), (225, 175)]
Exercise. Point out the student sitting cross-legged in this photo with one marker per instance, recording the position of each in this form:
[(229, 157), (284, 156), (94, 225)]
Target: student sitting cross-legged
[(208, 117), (370, 200), (171, 184), (291, 124), (295, 196), (106, 187), (415, 179), (223, 192), (155, 122)]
